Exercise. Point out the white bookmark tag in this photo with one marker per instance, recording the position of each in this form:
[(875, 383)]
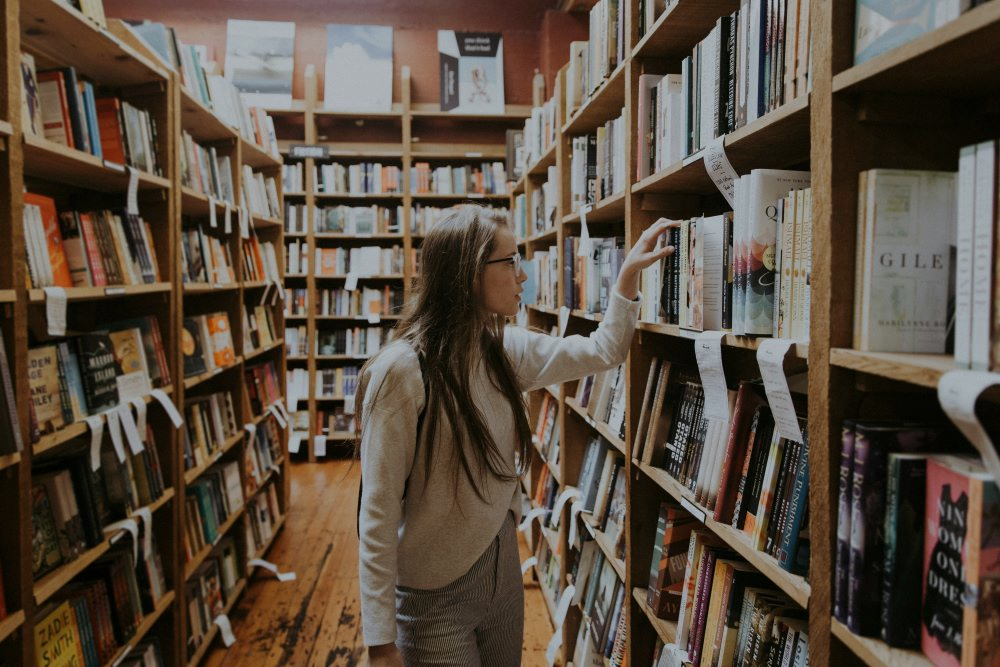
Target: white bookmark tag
[(115, 429), (128, 425), (570, 493), (349, 402), (708, 352), (213, 218), (228, 219), (132, 199), (527, 564), (531, 516), (586, 247), (319, 445), (267, 565), (140, 416), (351, 283), (720, 170), (563, 320), (225, 630), (146, 515), (169, 406), (55, 310), (770, 359), (251, 429), (96, 424), (574, 513), (295, 441), (118, 528), (957, 392)]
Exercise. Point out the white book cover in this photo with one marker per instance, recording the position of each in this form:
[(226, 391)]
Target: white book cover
[(908, 225), (358, 74), (963, 256), (260, 56), (984, 217), (471, 66)]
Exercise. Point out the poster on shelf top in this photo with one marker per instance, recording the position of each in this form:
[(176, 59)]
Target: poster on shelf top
[(471, 65), (259, 59), (358, 73)]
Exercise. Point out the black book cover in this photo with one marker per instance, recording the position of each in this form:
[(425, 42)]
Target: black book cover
[(100, 370), (194, 355)]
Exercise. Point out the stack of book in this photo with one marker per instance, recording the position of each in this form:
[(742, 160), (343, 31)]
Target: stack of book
[(262, 456), (205, 258), (591, 62), (86, 249), (211, 499), (597, 164), (360, 302), (260, 263), (261, 519), (547, 432), (259, 194), (366, 178), (336, 383), (210, 422), (209, 589), (205, 171), (589, 277), (603, 396), (361, 261), (358, 220), (293, 178), (353, 341), (259, 329), (488, 178)]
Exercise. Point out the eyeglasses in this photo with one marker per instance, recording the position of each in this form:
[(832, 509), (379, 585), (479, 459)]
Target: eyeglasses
[(514, 260)]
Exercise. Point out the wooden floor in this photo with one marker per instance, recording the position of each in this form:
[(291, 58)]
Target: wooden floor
[(315, 620)]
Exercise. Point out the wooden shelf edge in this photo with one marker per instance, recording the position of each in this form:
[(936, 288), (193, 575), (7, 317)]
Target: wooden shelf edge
[(577, 123), (9, 460), (195, 380), (253, 354), (876, 652), (924, 370), (213, 630), (9, 625), (8, 296), (48, 585), (196, 472), (109, 291), (666, 630), (604, 545), (794, 586), (191, 566), (799, 350), (148, 621), (603, 429)]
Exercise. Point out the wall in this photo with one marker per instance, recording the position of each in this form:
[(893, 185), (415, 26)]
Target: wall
[(414, 39)]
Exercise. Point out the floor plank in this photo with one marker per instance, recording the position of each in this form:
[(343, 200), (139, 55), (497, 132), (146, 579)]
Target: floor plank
[(315, 620)]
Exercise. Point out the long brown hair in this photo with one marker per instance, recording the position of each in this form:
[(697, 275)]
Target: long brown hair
[(446, 326)]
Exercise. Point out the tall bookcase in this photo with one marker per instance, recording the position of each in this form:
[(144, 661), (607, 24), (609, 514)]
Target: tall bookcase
[(120, 64), (407, 134), (913, 108)]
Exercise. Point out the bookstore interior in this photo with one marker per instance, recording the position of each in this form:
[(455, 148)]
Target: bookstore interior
[(213, 217)]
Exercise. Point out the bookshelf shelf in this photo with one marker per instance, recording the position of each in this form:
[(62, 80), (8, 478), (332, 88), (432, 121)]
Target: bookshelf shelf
[(55, 162), (793, 586), (8, 296), (679, 29), (201, 122), (927, 63), (600, 427), (257, 157), (297, 358), (297, 193), (387, 276), (603, 104), (216, 456), (148, 621), (209, 637), (196, 380), (253, 354), (196, 204), (609, 209), (266, 222), (6, 129), (54, 29), (192, 289), (74, 430), (260, 553), (10, 460), (550, 602), (432, 196), (199, 558), (512, 112), (353, 318), (584, 315), (255, 284), (395, 112), (875, 652), (665, 630), (779, 139), (96, 293), (48, 585), (342, 357), (546, 160), (339, 196), (10, 625), (798, 350), (360, 238), (605, 545), (544, 310), (924, 370), (467, 152)]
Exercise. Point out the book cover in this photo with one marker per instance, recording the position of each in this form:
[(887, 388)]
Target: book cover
[(961, 564), (223, 352), (904, 548), (191, 348), (45, 553), (10, 427), (53, 238), (31, 108), (100, 370), (907, 227), (882, 25), (130, 356), (358, 75), (56, 125), (44, 383), (57, 638), (471, 66), (259, 60)]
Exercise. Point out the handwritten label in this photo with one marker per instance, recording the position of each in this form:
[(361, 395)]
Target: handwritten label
[(720, 170), (55, 310), (708, 351), (958, 391), (771, 358), (132, 197), (96, 424), (268, 565)]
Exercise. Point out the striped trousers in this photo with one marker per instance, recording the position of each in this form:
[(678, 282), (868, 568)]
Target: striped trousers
[(475, 621)]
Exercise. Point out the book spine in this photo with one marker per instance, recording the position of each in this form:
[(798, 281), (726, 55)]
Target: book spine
[(840, 586), (797, 508)]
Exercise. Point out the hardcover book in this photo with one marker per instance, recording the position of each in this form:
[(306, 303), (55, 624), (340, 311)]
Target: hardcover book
[(191, 347), (31, 108), (53, 239), (45, 385), (471, 65), (358, 74), (100, 370), (905, 223), (57, 636), (131, 358)]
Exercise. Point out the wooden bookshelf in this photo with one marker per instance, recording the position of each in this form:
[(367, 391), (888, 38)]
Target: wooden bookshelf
[(609, 209), (148, 621), (665, 630), (924, 370), (600, 427), (213, 631), (55, 162), (603, 104), (797, 351), (11, 624), (98, 293), (680, 27), (877, 653)]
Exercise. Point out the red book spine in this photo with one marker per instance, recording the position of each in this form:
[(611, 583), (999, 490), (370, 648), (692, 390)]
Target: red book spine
[(97, 273)]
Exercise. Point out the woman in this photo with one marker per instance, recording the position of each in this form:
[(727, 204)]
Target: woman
[(442, 417)]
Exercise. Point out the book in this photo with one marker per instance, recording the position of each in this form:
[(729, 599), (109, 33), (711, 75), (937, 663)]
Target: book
[(358, 75), (50, 229), (57, 636), (961, 564), (471, 67), (905, 225), (45, 385), (881, 26), (259, 61), (45, 552), (223, 353), (10, 427), (192, 348), (100, 370), (31, 108), (130, 355)]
